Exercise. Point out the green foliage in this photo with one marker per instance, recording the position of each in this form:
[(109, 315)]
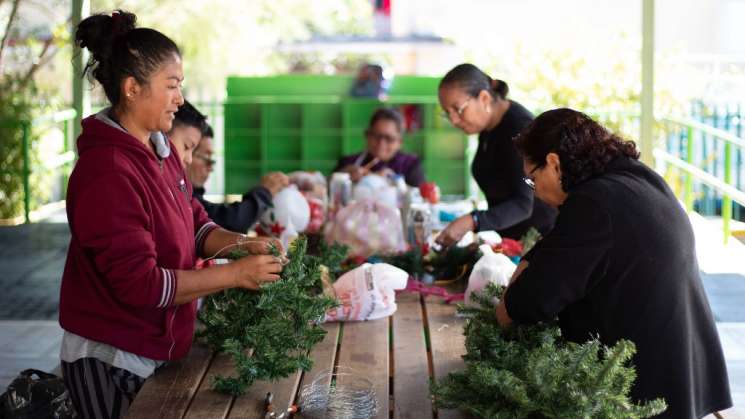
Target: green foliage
[(269, 333), (531, 372), (454, 262)]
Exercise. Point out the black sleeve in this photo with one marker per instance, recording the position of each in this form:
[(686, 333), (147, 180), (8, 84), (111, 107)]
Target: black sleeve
[(415, 175), (239, 216), (563, 264), (518, 207)]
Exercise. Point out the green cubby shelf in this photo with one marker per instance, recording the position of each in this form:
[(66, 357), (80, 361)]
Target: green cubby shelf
[(307, 122)]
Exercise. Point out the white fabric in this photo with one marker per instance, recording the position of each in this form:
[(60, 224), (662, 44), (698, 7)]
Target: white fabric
[(76, 347)]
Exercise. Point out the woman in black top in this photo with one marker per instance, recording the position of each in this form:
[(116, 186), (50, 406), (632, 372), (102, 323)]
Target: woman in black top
[(619, 264), (475, 103)]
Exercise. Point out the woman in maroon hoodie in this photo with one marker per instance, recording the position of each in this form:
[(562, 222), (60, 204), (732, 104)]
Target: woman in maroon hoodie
[(128, 290)]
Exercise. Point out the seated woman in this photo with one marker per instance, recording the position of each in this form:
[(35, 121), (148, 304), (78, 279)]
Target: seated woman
[(620, 263), (383, 155)]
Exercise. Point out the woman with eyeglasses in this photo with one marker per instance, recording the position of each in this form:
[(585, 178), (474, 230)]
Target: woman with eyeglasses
[(477, 104), (383, 155), (620, 263)]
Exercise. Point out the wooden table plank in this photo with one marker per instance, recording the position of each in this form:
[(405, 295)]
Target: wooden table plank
[(167, 393), (410, 360), (251, 404), (207, 403), (365, 349), (447, 344), (324, 355)]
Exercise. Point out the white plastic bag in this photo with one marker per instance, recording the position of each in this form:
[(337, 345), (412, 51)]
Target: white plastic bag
[(367, 292), (490, 268), (367, 227), (375, 188), (288, 217)]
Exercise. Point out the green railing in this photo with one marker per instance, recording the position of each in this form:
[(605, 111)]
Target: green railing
[(64, 159), (693, 173)]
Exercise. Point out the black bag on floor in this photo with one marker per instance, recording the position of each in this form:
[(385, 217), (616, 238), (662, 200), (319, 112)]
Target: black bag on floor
[(43, 396)]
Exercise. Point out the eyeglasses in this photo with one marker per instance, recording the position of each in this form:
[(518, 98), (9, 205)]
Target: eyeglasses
[(447, 115), (377, 136), (528, 180), (209, 161)]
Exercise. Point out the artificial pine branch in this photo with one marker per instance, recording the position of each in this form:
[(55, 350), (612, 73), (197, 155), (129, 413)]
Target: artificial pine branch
[(269, 333), (531, 372)]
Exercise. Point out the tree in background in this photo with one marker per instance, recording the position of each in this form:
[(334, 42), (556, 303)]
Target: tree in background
[(219, 38), (25, 49)]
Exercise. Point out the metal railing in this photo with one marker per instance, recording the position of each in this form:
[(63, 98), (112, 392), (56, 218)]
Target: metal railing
[(63, 160), (686, 162)]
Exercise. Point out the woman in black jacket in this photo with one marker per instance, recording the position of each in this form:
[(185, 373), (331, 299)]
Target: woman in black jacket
[(619, 263), (477, 104)]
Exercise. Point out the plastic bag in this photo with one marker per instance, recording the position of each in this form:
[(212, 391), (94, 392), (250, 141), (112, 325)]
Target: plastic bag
[(376, 188), (289, 216), (367, 292), (42, 397), (490, 268), (367, 227)]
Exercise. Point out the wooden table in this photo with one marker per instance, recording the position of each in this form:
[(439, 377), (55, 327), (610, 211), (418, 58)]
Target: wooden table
[(399, 354)]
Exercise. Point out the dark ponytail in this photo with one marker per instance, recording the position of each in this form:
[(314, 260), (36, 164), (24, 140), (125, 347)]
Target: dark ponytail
[(119, 50), (471, 79)]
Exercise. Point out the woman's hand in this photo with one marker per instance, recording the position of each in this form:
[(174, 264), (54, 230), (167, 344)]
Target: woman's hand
[(260, 245), (456, 230), (253, 271), (275, 182), (358, 172)]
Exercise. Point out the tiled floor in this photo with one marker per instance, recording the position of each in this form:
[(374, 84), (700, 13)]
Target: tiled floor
[(32, 259)]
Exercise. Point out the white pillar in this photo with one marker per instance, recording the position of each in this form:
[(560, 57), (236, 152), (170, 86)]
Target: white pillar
[(81, 100), (647, 96)]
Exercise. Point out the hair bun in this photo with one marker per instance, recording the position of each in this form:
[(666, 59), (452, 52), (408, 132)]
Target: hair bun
[(122, 22), (97, 32)]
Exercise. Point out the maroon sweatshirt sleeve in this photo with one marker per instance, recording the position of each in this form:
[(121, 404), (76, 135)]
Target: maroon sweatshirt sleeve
[(111, 223), (203, 226)]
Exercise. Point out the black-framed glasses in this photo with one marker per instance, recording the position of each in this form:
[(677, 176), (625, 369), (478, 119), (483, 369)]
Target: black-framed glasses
[(529, 180), (447, 115), (379, 136), (209, 161)]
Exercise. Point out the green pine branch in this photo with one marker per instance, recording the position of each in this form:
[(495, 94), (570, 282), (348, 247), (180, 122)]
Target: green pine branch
[(269, 333), (529, 371)]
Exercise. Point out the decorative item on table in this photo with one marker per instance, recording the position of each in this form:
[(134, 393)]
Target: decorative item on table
[(340, 192), (430, 192), (313, 186), (269, 334), (491, 268), (342, 393), (418, 225), (288, 217), (367, 292), (376, 188), (367, 227), (529, 239), (524, 371)]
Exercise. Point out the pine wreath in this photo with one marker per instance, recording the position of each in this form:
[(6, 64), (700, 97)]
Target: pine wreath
[(270, 333), (531, 372)]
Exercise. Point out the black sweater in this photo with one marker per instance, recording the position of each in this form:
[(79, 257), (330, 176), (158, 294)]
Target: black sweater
[(498, 169), (621, 264), (237, 216)]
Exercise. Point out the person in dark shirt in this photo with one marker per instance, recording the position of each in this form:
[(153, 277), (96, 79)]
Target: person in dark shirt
[(620, 263), (476, 104), (237, 216), (383, 155)]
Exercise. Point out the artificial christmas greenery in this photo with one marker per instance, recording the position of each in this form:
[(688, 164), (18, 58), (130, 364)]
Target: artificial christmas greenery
[(269, 333), (451, 263), (531, 372)]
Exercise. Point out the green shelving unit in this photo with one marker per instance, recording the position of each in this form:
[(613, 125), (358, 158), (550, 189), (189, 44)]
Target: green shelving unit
[(306, 122)]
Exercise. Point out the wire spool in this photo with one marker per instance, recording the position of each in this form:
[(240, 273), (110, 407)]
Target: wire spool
[(349, 395)]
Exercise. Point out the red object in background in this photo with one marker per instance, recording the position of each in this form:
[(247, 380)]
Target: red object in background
[(430, 191), (317, 215), (510, 247)]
